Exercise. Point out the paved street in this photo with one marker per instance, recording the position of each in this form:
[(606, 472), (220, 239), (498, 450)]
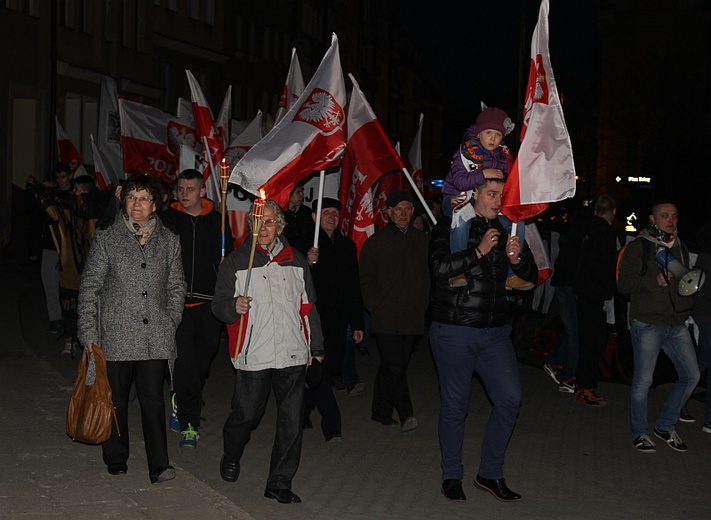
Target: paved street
[(567, 460)]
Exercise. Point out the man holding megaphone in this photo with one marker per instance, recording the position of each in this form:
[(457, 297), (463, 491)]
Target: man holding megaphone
[(659, 308)]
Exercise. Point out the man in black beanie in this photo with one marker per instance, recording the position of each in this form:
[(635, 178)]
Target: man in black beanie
[(395, 284)]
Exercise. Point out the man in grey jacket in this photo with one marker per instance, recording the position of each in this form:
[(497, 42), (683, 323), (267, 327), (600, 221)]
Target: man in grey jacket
[(281, 335)]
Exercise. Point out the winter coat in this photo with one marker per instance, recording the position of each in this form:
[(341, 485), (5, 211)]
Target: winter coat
[(594, 278), (282, 327), (483, 302), (131, 297), (394, 279), (650, 302), (201, 244)]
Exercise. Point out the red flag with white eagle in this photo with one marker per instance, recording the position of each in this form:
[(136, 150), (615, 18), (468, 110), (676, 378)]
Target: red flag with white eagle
[(68, 152), (209, 137), (415, 157), (151, 139), (369, 155), (309, 137), (293, 87), (385, 186), (543, 171)]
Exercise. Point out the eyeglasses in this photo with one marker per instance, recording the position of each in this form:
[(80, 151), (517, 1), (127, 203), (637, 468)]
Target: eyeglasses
[(270, 222), (143, 200)]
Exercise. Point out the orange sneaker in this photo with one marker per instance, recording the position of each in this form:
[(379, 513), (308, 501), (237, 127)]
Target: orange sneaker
[(589, 397)]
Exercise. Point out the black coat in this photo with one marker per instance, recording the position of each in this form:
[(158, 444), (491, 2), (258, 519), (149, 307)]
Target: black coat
[(201, 242), (483, 302)]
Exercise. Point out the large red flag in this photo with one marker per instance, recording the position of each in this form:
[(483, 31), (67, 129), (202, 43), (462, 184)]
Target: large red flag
[(543, 171), (309, 137), (207, 133), (385, 186), (368, 156), (68, 152), (151, 139), (293, 87)]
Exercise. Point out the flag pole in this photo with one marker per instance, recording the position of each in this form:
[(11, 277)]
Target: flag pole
[(319, 203), (419, 196)]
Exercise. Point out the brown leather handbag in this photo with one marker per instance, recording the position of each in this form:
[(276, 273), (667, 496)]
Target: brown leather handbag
[(91, 410)]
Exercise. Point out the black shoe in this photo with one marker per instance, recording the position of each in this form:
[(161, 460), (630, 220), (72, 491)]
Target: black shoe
[(229, 471), (452, 490), (283, 496), (334, 437), (387, 421), (164, 476), (498, 488), (308, 425), (117, 469)]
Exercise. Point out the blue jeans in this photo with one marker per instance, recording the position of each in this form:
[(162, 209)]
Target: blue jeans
[(704, 358), (459, 352), (567, 352), (676, 342)]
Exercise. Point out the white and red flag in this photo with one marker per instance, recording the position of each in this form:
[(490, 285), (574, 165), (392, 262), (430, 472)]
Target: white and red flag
[(385, 186), (109, 131), (68, 153), (241, 144), (543, 171), (151, 139), (415, 157), (223, 123), (369, 155), (309, 137), (209, 137), (104, 175), (293, 88)]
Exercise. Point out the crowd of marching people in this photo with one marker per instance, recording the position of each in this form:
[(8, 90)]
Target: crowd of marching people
[(151, 274)]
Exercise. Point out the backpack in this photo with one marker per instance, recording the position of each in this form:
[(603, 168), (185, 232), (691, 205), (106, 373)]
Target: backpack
[(646, 253)]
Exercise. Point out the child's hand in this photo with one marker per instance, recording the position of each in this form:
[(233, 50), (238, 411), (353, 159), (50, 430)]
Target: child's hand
[(493, 173)]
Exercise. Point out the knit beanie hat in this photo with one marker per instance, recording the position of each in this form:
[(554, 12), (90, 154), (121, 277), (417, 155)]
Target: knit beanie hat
[(491, 119)]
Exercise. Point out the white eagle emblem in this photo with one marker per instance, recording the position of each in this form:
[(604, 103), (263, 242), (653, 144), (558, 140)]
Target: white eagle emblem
[(322, 111)]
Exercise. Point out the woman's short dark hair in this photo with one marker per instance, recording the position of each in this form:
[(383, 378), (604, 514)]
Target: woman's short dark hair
[(144, 181)]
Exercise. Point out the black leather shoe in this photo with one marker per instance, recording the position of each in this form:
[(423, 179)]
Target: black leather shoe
[(387, 421), (283, 496), (117, 469), (334, 437), (498, 488), (452, 490), (164, 476), (308, 425), (229, 471)]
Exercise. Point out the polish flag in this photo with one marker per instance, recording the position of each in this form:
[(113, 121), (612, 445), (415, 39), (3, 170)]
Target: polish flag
[(309, 137), (68, 152), (415, 158), (105, 177), (385, 186), (109, 131), (293, 88), (223, 123), (369, 155), (151, 140), (543, 171), (539, 251), (207, 134), (241, 144)]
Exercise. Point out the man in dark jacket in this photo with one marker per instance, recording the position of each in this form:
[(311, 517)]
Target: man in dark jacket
[(199, 226), (470, 333), (657, 322), (395, 284), (334, 267)]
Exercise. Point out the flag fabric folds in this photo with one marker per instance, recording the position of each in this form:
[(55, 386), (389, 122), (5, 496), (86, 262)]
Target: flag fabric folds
[(543, 171), (105, 177), (415, 157), (68, 152), (309, 137), (369, 155), (109, 131), (293, 87)]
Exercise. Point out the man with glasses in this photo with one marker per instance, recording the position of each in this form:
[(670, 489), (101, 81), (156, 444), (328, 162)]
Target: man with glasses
[(194, 219), (395, 285), (280, 335)]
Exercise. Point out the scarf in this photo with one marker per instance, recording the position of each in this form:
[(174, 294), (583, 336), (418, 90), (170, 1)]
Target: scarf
[(141, 232), (660, 236)]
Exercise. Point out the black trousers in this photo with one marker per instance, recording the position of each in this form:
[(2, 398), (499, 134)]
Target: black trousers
[(198, 338), (592, 331), (390, 389), (149, 378), (249, 401)]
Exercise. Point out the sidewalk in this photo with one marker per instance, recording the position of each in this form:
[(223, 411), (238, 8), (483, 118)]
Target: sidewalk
[(567, 460)]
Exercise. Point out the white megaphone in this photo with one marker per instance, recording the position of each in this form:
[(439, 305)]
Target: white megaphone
[(690, 280)]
